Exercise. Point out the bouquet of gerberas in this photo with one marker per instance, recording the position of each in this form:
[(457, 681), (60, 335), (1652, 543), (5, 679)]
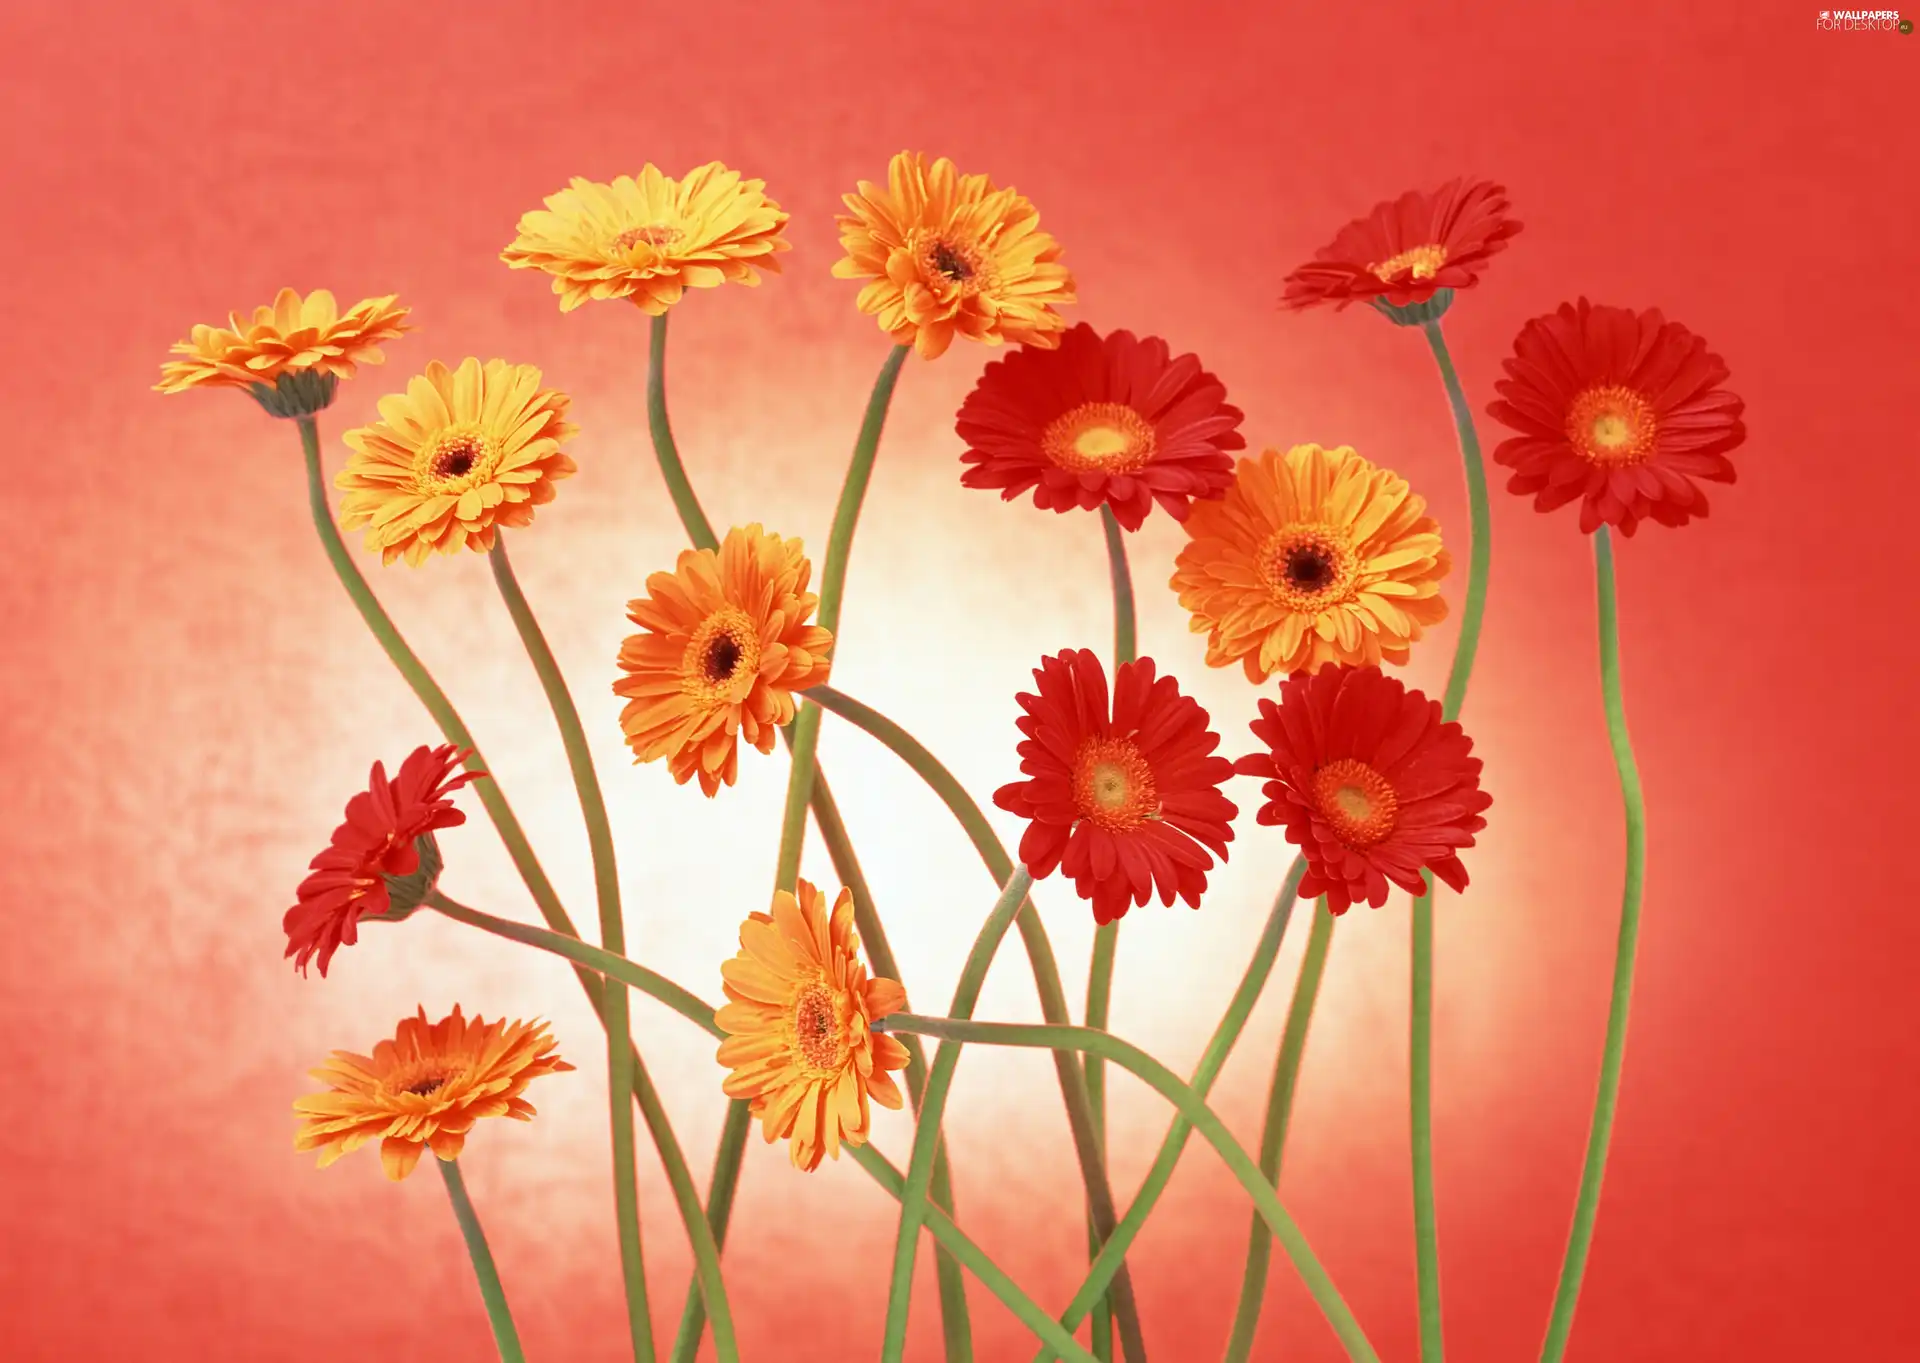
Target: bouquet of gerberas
[(1315, 565)]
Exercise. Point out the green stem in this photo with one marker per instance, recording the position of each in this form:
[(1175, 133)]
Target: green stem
[(1426, 1233), (806, 725), (1191, 1106), (1273, 1133), (606, 877), (1613, 1055), (505, 1337), (424, 686), (1106, 936), (953, 1296), (594, 962), (926, 1131), (1046, 979), (1219, 1047), (699, 529)]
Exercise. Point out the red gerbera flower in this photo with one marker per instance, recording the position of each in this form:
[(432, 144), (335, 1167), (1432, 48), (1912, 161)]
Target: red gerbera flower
[(1122, 805), (1111, 419), (1370, 784), (348, 881), (1406, 251), (1619, 408)]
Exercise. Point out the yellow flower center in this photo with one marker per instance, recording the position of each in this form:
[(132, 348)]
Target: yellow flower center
[(1099, 437), (1113, 785), (1308, 567), (1357, 800), (455, 459), (819, 1034), (655, 236), (1611, 426), (1422, 262), (723, 657)]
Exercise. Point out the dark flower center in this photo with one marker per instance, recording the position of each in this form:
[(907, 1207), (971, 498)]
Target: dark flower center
[(723, 655), (816, 1027), (949, 263), (431, 1084), (456, 456), (1309, 567)]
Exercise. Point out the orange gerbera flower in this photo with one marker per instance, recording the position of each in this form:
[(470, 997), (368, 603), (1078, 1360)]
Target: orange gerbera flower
[(1313, 557), (291, 354), (424, 1089), (799, 1021), (461, 453), (949, 254), (725, 648), (649, 238)]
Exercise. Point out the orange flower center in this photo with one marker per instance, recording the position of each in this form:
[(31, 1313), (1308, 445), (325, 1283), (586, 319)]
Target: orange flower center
[(1422, 262), (1611, 426), (1113, 785), (1307, 567), (817, 1030), (1099, 437), (455, 459), (1357, 800), (654, 235), (422, 1077), (723, 657)]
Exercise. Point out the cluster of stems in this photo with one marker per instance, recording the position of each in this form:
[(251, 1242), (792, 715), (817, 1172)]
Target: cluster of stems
[(1082, 1053)]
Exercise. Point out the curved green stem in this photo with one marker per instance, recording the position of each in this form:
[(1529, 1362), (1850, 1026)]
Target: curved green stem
[(410, 667), (595, 962), (606, 877), (1106, 937), (1219, 1047), (505, 1337), (1191, 1106), (1613, 1055), (1426, 1234), (699, 529), (926, 1131), (806, 726), (1046, 979), (1273, 1132)]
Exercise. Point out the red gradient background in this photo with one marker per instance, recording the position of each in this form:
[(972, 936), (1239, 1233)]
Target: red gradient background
[(188, 697)]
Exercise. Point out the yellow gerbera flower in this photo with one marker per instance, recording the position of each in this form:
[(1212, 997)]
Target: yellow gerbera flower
[(726, 647), (461, 453), (948, 254), (650, 238), (299, 347), (424, 1089), (1312, 557), (799, 1021)]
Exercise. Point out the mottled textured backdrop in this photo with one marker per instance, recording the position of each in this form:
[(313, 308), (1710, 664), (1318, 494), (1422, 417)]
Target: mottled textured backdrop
[(189, 697)]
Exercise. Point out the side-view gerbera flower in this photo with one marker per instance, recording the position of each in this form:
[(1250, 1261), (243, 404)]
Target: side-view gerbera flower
[(799, 1021), (460, 454), (952, 255), (424, 1089), (1622, 410), (1114, 419), (290, 354), (725, 646), (1369, 784), (1312, 557), (387, 839), (1405, 251), (649, 238), (1125, 804)]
